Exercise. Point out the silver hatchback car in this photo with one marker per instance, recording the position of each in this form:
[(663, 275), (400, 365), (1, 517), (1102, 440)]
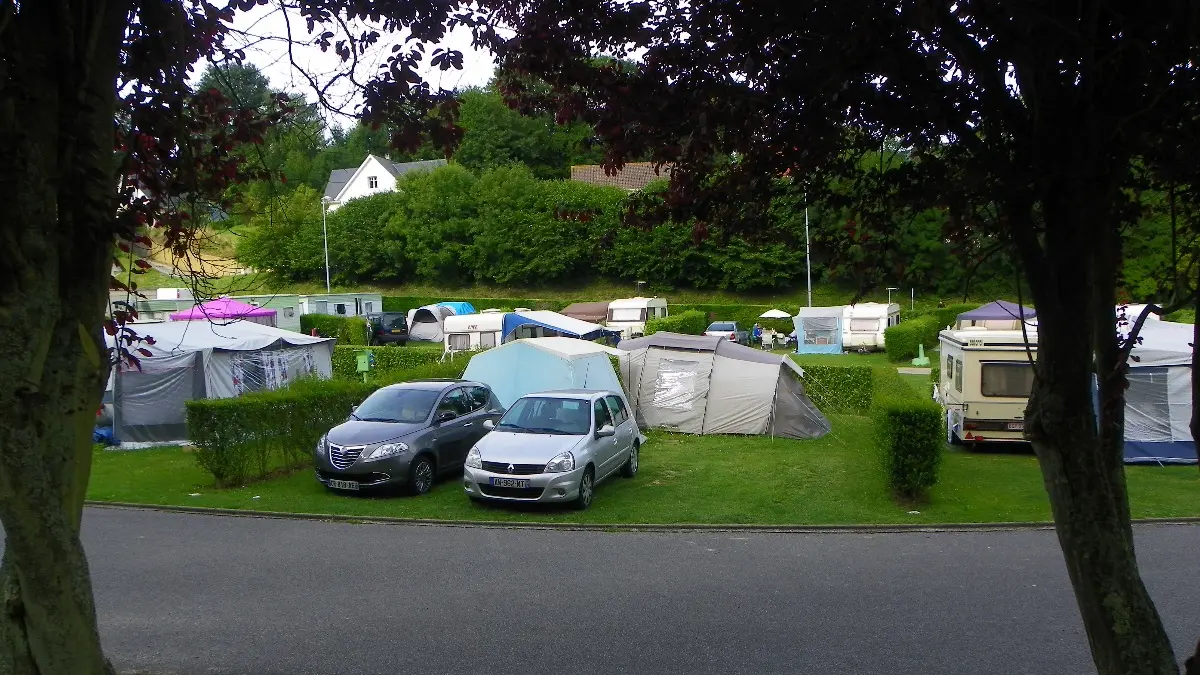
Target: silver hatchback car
[(554, 446)]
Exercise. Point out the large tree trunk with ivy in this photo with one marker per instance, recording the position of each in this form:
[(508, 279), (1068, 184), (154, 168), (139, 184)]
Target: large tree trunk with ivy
[(57, 103), (1080, 453)]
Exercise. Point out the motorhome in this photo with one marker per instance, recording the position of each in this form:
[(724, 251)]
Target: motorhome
[(473, 332), (863, 324), (986, 379), (629, 315)]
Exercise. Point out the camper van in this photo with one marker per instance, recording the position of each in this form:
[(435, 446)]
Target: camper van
[(472, 332), (863, 324), (985, 383), (629, 315)]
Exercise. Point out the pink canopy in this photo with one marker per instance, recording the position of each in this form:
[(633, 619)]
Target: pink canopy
[(227, 309)]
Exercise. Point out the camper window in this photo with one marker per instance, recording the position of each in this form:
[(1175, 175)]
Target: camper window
[(368, 307), (627, 314), (949, 374), (322, 307), (459, 342), (339, 308), (487, 340), (1012, 379), (958, 375), (864, 325)]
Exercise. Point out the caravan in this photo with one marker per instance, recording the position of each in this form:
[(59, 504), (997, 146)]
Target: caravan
[(863, 324), (628, 316), (986, 379), (474, 332)]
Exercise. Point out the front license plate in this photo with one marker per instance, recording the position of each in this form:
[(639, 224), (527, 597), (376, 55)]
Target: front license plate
[(343, 484), (395, 332), (510, 482), (1016, 426)]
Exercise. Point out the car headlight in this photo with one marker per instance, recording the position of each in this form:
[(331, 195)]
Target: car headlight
[(561, 463), (387, 450), (322, 444), (474, 459)]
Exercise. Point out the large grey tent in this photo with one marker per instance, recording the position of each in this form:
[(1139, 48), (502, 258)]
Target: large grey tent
[(425, 324), (708, 385)]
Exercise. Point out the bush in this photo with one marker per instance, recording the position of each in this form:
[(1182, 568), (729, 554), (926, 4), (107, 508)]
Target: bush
[(251, 435), (910, 436), (690, 322), (935, 371), (745, 315), (840, 389), (901, 341), (349, 330), (387, 359), (403, 303)]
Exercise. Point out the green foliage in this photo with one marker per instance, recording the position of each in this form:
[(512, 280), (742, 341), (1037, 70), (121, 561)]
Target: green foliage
[(251, 435), (388, 359), (497, 136), (910, 435), (349, 330), (935, 370), (745, 315), (840, 389), (616, 364), (691, 322), (1182, 316), (901, 341)]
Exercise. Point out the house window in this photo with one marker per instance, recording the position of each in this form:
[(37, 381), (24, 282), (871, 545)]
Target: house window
[(1009, 380), (372, 182), (340, 308), (322, 307), (958, 375), (289, 312)]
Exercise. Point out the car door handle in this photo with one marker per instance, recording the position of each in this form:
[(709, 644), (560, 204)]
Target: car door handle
[(468, 424)]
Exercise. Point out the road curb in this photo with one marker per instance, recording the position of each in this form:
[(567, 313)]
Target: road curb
[(619, 527)]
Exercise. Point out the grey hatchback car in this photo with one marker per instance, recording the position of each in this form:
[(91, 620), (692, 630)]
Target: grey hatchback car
[(405, 434)]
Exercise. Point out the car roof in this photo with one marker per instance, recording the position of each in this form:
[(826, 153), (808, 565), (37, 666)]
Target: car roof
[(571, 393), (433, 384)]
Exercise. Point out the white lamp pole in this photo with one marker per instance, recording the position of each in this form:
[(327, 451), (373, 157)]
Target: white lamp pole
[(889, 290), (807, 253), (325, 235)]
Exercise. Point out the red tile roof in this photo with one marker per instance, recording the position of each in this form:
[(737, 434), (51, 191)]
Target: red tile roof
[(633, 176)]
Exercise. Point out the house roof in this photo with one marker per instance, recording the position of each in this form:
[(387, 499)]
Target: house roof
[(338, 178), (632, 176)]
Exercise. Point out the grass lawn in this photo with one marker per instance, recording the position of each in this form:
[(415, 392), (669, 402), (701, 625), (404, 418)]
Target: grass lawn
[(683, 479)]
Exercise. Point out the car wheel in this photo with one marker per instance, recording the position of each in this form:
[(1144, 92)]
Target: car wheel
[(587, 489), (420, 476), (631, 465)]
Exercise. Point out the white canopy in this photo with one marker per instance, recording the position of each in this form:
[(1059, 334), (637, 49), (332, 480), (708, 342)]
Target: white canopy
[(774, 314), (1164, 343), (236, 336)]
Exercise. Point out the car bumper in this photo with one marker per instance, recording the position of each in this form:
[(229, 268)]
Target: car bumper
[(543, 487), (391, 472)]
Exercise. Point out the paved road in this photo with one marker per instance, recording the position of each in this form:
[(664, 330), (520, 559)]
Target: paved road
[(183, 594)]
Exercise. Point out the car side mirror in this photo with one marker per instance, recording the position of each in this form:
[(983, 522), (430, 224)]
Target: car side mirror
[(606, 431), (489, 424), (353, 408), (445, 416)]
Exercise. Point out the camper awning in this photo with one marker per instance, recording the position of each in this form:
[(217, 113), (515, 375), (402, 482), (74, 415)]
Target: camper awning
[(1164, 343), (1000, 310), (184, 336), (222, 308), (563, 325), (594, 312)]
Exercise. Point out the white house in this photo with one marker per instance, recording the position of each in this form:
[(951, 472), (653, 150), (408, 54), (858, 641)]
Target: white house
[(374, 175)]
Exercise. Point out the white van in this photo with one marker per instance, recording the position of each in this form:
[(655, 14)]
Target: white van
[(629, 315), (472, 332), (985, 383), (863, 324)]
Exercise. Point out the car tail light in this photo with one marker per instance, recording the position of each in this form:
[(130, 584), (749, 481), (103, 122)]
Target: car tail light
[(733, 336), (970, 425)]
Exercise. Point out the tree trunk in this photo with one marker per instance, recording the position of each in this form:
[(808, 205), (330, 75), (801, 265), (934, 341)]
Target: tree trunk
[(57, 106), (1073, 279)]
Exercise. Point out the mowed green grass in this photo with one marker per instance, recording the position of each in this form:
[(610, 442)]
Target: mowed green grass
[(683, 479)]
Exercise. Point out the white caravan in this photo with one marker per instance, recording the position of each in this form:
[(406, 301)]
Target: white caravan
[(863, 324), (985, 383), (629, 315), (472, 332)]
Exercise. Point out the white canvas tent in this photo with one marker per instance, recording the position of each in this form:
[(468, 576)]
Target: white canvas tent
[(528, 366), (202, 359), (427, 324), (1158, 402), (708, 385)]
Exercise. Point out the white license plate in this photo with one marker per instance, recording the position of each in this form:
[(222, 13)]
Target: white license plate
[(343, 484), (1016, 426), (510, 482)]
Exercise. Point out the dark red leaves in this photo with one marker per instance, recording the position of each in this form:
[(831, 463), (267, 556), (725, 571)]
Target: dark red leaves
[(145, 352)]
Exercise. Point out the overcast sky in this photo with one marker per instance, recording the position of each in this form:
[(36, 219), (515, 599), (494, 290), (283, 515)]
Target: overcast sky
[(271, 56)]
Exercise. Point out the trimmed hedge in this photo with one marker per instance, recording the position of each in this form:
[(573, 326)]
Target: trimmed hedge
[(901, 341), (387, 359), (349, 330), (250, 436), (840, 389), (910, 435), (935, 371), (690, 322)]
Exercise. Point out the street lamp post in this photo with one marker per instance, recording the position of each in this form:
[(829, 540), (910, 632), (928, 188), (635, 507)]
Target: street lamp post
[(889, 290), (325, 235), (807, 252)]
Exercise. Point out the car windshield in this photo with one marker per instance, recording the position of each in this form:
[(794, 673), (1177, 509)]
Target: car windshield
[(543, 415), (397, 405), (721, 326)]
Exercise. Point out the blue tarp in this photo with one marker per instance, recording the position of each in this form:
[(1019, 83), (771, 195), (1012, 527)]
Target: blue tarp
[(529, 366), (1000, 310), (459, 308), (564, 326)]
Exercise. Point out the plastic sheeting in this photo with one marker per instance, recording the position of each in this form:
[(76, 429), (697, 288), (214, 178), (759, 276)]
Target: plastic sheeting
[(819, 330)]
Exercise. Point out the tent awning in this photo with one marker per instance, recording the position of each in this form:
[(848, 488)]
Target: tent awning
[(1000, 310), (222, 308), (563, 325), (459, 308)]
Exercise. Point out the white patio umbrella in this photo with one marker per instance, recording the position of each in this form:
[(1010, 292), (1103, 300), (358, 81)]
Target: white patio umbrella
[(774, 314)]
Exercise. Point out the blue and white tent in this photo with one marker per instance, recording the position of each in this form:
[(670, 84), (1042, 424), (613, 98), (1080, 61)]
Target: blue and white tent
[(544, 364), (1158, 403), (459, 308), (518, 325), (819, 330)]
